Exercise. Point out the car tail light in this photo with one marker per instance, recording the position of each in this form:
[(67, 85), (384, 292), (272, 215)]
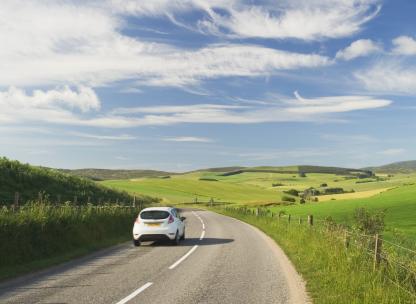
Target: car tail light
[(170, 221)]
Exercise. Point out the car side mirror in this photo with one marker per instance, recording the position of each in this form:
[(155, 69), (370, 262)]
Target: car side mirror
[(183, 218)]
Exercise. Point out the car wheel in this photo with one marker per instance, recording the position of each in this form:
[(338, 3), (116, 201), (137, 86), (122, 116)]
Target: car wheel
[(177, 239), (136, 243), (183, 235)]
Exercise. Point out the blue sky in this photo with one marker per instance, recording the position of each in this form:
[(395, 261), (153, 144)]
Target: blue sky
[(179, 85)]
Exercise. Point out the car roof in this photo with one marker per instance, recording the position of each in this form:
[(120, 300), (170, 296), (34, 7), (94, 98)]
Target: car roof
[(158, 209)]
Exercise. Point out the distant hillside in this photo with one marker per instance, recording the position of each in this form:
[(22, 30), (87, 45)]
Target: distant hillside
[(220, 169), (30, 180), (303, 169), (107, 174), (398, 167)]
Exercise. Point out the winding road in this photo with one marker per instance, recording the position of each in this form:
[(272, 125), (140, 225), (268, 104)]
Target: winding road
[(223, 260)]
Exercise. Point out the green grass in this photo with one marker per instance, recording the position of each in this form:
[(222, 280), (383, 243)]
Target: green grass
[(186, 188), (255, 188), (333, 273), (399, 203), (29, 181), (40, 234)]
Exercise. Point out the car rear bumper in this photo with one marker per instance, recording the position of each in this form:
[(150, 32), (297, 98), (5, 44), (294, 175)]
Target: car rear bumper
[(153, 234), (155, 237)]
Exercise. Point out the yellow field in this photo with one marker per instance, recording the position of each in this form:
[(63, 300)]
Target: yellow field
[(361, 194)]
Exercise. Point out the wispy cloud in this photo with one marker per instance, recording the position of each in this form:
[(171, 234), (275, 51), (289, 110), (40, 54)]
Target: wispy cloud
[(392, 151), (87, 46), (359, 48), (389, 76), (63, 108), (121, 137), (300, 19), (189, 139)]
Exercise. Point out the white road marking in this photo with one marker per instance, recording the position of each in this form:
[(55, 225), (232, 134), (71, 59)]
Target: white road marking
[(193, 248), (135, 293), (183, 258)]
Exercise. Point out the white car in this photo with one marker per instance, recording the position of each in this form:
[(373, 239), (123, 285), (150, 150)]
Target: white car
[(159, 223)]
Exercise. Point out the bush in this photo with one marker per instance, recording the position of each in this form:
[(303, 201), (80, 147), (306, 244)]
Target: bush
[(302, 201), (369, 223), (334, 191), (302, 174), (286, 198), (208, 179), (293, 192), (324, 185)]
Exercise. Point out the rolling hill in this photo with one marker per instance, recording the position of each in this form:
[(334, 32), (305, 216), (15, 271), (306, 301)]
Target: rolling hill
[(106, 174), (397, 167), (30, 180)]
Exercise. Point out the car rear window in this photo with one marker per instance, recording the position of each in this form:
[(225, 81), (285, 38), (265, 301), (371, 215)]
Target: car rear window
[(154, 215)]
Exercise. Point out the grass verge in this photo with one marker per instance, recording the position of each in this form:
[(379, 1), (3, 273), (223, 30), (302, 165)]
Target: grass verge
[(41, 235), (333, 273)]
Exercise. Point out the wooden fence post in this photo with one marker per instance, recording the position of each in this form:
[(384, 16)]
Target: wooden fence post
[(346, 239), (134, 201), (377, 251), (288, 218), (300, 221), (16, 199), (310, 220), (257, 211)]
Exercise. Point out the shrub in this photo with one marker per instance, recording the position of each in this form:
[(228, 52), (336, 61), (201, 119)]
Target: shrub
[(324, 185), (302, 174), (286, 198), (293, 192), (302, 201), (334, 191), (208, 179), (369, 223)]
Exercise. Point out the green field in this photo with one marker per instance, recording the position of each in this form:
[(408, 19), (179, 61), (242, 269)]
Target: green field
[(394, 193)]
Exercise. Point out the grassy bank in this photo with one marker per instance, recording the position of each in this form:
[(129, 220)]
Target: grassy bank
[(40, 235), (34, 183), (333, 273)]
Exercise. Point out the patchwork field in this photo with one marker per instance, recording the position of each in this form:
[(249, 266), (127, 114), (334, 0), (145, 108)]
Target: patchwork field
[(395, 193)]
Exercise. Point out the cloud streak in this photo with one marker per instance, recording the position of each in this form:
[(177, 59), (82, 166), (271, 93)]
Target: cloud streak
[(299, 19), (80, 107)]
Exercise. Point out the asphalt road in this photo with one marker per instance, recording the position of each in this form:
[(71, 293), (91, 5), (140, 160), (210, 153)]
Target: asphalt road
[(222, 261)]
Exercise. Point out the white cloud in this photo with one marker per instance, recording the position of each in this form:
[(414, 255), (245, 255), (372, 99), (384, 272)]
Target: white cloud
[(404, 45), (58, 107), (86, 46), (189, 139), (300, 19), (121, 137), (359, 48), (392, 77)]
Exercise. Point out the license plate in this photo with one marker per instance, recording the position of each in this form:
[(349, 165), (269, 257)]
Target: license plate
[(153, 224)]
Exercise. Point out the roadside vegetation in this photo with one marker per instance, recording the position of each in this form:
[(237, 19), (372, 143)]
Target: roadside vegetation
[(336, 272), (39, 235)]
